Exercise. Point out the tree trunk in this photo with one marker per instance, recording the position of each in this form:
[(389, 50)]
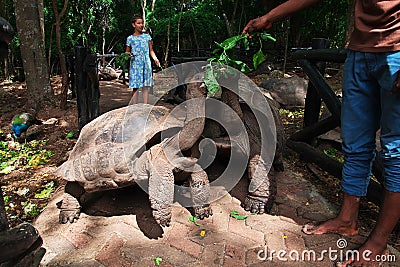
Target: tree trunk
[(168, 35), (41, 17), (349, 22), (179, 24), (33, 53), (227, 22), (63, 66), (143, 4)]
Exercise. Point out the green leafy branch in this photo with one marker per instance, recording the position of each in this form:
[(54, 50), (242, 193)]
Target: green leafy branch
[(224, 55)]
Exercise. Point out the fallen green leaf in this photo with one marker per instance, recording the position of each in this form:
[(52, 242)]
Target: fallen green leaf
[(70, 135), (194, 220), (157, 260), (235, 214)]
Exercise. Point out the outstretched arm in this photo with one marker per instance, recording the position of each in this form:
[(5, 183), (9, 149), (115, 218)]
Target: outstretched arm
[(280, 12)]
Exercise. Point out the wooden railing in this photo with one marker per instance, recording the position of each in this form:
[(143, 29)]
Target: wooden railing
[(319, 90)]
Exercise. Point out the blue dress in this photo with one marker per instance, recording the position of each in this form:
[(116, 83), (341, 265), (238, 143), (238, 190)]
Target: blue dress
[(140, 71)]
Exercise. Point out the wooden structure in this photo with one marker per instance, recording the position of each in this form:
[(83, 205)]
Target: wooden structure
[(319, 90), (87, 85)]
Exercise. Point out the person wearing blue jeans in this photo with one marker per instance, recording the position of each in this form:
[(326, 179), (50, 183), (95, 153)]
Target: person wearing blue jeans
[(371, 101)]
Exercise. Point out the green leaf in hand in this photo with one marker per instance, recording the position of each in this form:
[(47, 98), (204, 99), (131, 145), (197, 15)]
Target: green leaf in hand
[(210, 80), (258, 58), (266, 36), (232, 41)]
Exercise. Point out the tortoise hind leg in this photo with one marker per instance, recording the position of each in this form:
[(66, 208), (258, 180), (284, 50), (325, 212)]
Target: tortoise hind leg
[(70, 208), (262, 189)]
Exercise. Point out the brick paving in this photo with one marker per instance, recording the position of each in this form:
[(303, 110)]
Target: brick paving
[(118, 230), (116, 238)]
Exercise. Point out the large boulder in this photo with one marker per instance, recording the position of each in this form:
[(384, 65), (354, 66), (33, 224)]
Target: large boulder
[(288, 92)]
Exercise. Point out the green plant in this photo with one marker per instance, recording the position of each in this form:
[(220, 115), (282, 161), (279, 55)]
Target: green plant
[(224, 56), (27, 155), (121, 61), (46, 192), (333, 153), (30, 209)]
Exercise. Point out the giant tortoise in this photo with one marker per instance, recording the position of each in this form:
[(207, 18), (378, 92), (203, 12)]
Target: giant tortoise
[(123, 147)]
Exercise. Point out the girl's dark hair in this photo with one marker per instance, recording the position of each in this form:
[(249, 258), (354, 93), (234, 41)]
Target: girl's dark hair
[(136, 17)]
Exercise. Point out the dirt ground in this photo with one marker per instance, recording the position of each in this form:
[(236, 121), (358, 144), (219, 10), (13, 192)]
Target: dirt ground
[(22, 185)]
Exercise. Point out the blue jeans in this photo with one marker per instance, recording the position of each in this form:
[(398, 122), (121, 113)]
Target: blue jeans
[(367, 106)]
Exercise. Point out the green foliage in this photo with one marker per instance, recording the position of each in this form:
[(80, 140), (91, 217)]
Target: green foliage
[(46, 192), (201, 23), (224, 55), (28, 155), (30, 209), (121, 61), (333, 153)]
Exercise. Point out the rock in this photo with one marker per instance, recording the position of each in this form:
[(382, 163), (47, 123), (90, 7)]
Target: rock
[(288, 92)]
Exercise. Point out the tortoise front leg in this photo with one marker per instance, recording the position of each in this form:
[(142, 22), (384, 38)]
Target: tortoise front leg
[(200, 191), (161, 191), (70, 208)]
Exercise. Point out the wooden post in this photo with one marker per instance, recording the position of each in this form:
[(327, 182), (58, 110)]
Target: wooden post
[(87, 85), (69, 59), (92, 86), (81, 82), (313, 100)]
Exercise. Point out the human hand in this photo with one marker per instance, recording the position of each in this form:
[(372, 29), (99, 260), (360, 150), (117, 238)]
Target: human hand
[(396, 85), (261, 23), (157, 62)]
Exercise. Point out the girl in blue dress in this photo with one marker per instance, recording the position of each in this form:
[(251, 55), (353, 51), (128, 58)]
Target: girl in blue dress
[(140, 47)]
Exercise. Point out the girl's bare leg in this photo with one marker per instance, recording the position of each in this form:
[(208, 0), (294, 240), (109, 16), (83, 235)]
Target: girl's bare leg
[(145, 91), (135, 96)]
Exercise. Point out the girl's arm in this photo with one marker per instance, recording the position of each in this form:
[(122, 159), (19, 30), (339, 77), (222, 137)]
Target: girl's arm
[(128, 50), (153, 55)]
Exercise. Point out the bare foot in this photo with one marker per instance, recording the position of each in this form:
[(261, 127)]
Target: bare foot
[(334, 225), (371, 254)]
